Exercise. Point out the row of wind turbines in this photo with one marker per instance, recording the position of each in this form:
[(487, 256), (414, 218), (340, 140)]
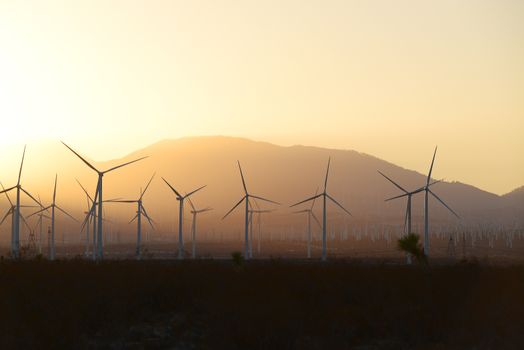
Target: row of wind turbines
[(95, 213)]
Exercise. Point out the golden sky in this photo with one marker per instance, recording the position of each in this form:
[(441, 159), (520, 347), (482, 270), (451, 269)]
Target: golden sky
[(388, 78)]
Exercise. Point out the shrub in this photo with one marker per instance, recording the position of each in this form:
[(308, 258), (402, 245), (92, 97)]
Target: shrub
[(238, 258), (410, 244)]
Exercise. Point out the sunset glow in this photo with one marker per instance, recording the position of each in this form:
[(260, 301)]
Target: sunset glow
[(392, 79)]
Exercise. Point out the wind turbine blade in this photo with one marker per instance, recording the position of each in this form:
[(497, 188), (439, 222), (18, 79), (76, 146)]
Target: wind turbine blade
[(21, 165), (194, 191), (54, 192), (313, 203), (435, 182), (204, 210), (30, 196), (242, 176), (327, 174), (25, 222), (236, 205), (39, 211), (393, 182), (88, 217), (148, 218), (85, 191), (147, 186), (337, 203), (316, 219), (96, 192), (122, 165), (5, 191), (301, 211), (133, 219), (6, 215), (431, 168), (306, 200), (79, 156), (172, 188), (191, 204), (66, 213), (444, 204), (396, 197), (264, 199)]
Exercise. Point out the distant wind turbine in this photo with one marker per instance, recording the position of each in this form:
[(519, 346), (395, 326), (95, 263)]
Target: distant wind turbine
[(181, 199), (141, 210), (11, 211), (195, 212), (99, 188), (324, 196), (53, 206), (310, 215), (426, 206), (246, 218), (15, 228), (407, 219)]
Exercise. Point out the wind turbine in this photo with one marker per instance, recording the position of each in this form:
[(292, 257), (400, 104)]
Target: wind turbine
[(325, 196), (310, 215), (181, 199), (139, 212), (53, 207), (15, 228), (427, 191), (246, 219), (195, 212), (409, 194), (99, 188), (12, 210)]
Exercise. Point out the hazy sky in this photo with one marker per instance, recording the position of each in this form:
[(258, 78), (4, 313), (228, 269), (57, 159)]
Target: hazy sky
[(389, 78)]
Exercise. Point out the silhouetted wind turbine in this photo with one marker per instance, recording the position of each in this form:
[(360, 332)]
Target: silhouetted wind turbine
[(246, 220), (195, 212), (53, 206), (139, 212), (11, 211), (324, 196), (181, 199), (310, 215), (407, 219), (99, 188), (15, 229), (426, 206)]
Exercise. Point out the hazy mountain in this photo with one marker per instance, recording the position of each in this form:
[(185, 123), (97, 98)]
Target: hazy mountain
[(284, 174)]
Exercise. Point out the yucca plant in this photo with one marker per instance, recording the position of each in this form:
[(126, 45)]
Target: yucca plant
[(410, 244)]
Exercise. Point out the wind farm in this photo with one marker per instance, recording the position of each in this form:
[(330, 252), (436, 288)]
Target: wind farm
[(370, 231), (262, 175)]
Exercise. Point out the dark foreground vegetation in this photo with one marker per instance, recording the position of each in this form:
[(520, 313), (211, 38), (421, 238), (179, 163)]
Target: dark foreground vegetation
[(259, 305)]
